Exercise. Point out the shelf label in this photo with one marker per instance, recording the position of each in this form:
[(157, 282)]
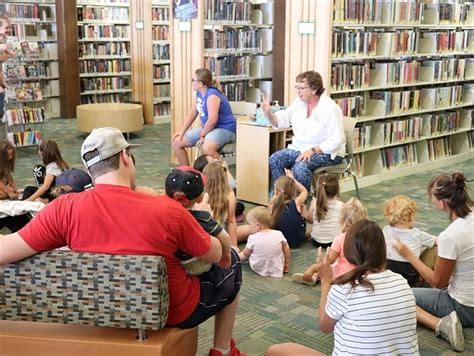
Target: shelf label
[(306, 28)]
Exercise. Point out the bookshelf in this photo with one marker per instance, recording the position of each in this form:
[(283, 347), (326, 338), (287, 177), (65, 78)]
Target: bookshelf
[(34, 40), (161, 37), (405, 71), (104, 46), (238, 47)]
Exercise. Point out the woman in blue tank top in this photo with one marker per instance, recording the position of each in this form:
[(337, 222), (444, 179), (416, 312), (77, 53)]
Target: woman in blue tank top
[(218, 125)]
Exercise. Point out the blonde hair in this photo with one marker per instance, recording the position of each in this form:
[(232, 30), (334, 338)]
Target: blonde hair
[(218, 189), (399, 209), (261, 215), (285, 191), (352, 211), (327, 187)]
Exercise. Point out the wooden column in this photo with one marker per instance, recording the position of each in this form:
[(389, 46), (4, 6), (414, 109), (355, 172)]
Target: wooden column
[(142, 56), (66, 17), (307, 51), (279, 48)]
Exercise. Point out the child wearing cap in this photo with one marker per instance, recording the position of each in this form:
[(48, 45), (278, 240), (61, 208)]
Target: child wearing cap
[(186, 185), (71, 181)]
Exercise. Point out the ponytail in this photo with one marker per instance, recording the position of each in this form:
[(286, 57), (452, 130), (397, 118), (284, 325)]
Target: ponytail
[(327, 187)]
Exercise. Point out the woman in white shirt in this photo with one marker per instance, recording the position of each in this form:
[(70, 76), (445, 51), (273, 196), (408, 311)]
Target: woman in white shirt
[(318, 131), (449, 306)]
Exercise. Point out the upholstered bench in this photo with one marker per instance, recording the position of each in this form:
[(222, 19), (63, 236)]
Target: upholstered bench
[(124, 116), (68, 303)]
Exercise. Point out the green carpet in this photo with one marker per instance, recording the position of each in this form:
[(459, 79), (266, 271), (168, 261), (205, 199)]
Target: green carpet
[(271, 310)]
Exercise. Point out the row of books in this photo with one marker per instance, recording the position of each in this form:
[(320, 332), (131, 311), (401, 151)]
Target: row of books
[(35, 31), (375, 74), (439, 148), (233, 38), (217, 10), (105, 2), (25, 92), (396, 43), (362, 137), (104, 49), (103, 31), (400, 11), (102, 13), (161, 90), (162, 109), (160, 33), (228, 65), (380, 103), (161, 51), (25, 138), (397, 131), (106, 98), (399, 156), (444, 122), (25, 115), (234, 91), (105, 83), (27, 11), (105, 65), (162, 71), (32, 70), (160, 14)]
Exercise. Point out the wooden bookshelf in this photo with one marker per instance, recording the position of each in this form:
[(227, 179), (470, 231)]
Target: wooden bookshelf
[(404, 70), (34, 34), (161, 39), (104, 50), (238, 47)]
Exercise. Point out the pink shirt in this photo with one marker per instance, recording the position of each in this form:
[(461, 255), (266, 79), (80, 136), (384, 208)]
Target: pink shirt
[(341, 266)]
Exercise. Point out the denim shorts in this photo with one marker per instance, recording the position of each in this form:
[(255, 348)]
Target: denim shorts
[(439, 303), (220, 136)]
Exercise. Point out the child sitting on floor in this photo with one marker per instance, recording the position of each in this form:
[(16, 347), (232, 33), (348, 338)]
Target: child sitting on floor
[(325, 210), (400, 212), (352, 211), (186, 186), (267, 249)]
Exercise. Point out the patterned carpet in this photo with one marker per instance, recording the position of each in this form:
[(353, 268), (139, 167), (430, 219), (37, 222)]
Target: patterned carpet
[(271, 310)]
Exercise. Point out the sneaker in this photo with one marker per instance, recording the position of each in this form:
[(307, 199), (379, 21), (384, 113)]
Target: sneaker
[(450, 329), (234, 351), (298, 278)]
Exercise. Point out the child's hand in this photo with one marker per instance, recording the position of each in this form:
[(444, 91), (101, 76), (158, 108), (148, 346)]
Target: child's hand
[(325, 270), (226, 260), (286, 268), (289, 173)]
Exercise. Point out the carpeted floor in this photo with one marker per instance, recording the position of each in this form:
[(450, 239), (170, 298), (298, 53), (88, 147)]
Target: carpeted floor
[(271, 310)]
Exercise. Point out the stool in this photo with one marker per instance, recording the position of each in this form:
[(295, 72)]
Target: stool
[(126, 117)]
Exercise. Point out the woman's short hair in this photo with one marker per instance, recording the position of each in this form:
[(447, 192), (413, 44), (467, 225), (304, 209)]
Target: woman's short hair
[(204, 76), (313, 79)]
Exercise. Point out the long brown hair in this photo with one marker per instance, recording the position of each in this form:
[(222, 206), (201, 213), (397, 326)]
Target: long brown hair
[(285, 191), (364, 247), (217, 187), (327, 187), (7, 167), (50, 153), (451, 188)]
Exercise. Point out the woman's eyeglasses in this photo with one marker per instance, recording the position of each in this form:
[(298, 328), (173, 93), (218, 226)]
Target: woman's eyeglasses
[(299, 88)]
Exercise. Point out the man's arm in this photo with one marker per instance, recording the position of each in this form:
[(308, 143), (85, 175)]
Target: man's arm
[(14, 248), (214, 254)]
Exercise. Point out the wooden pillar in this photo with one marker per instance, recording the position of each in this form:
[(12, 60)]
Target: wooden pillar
[(279, 50), (142, 54), (66, 17)]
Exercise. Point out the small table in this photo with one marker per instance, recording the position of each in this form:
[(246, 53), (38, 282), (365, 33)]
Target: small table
[(124, 116)]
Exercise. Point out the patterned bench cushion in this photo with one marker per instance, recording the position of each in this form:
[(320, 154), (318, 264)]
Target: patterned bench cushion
[(87, 289)]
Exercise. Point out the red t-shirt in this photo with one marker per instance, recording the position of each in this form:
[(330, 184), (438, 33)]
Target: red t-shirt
[(114, 219)]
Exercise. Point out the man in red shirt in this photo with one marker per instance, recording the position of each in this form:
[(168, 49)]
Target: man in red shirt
[(113, 218)]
